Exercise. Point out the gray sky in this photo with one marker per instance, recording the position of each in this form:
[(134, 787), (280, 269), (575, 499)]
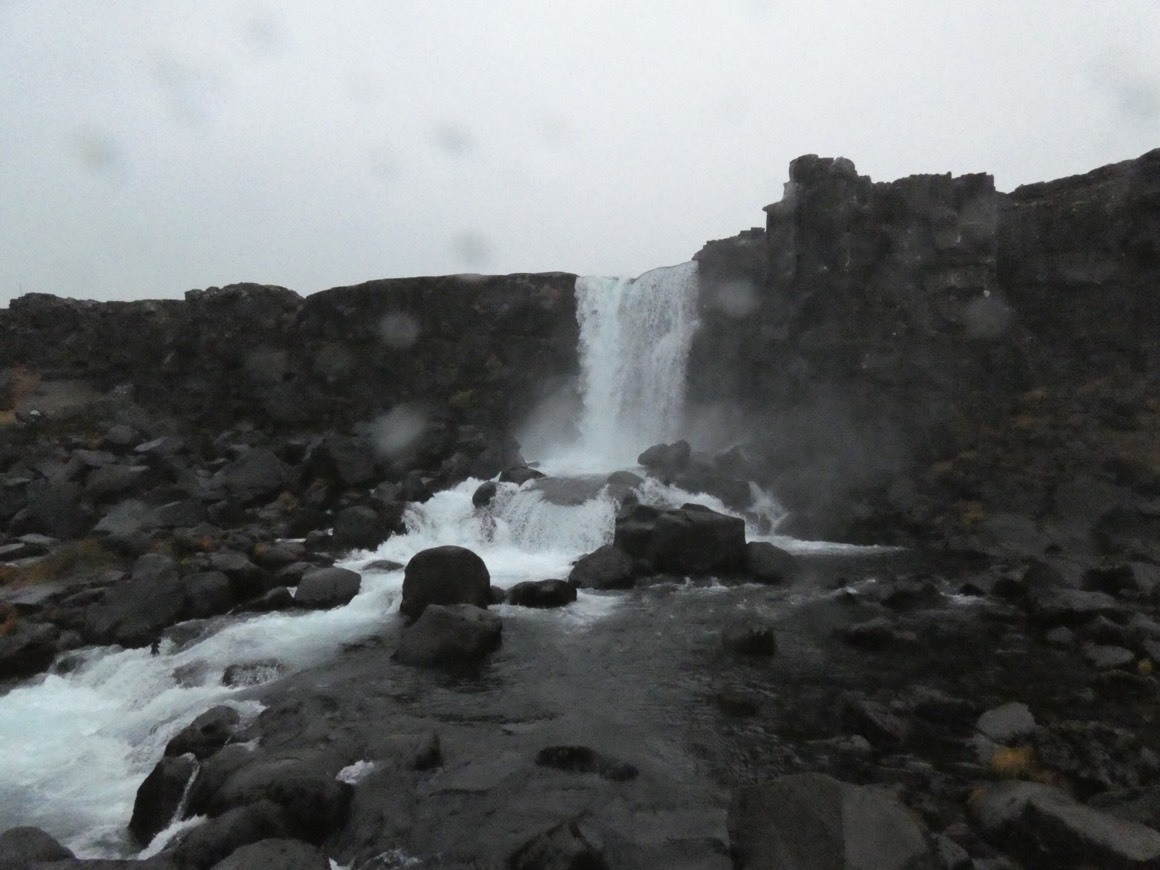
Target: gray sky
[(154, 146)]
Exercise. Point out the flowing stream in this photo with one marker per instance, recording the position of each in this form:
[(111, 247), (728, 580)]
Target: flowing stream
[(78, 742)]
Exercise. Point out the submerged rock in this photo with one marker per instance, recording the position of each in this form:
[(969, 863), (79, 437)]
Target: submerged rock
[(454, 635), (542, 593)]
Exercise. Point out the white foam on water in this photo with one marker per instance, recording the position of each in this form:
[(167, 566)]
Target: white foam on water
[(77, 745)]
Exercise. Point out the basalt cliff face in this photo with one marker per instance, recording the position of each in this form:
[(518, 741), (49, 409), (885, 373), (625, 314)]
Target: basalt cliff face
[(929, 357), (462, 356)]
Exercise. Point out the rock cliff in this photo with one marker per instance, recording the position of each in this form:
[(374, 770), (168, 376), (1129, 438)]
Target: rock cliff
[(902, 352)]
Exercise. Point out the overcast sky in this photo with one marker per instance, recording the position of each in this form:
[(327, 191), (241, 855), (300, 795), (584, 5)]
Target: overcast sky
[(151, 147)]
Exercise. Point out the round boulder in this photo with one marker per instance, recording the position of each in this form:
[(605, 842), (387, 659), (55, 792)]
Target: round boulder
[(444, 575), (327, 587)]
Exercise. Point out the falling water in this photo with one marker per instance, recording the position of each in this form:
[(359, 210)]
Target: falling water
[(635, 335)]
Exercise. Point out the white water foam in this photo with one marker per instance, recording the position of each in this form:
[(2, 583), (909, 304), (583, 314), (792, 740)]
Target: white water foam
[(77, 745)]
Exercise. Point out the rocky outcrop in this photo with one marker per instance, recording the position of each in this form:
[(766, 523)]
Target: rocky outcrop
[(906, 350)]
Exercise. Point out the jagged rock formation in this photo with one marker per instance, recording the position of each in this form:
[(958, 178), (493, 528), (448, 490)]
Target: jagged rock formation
[(465, 353), (893, 326)]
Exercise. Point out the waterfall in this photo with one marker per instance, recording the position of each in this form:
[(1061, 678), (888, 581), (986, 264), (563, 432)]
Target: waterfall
[(635, 335)]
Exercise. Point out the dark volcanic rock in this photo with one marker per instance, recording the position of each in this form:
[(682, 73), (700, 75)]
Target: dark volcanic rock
[(206, 734), (444, 575), (767, 563), (689, 540), (562, 846), (542, 593), (327, 587), (519, 475), (359, 527), (220, 837), (608, 567), (27, 649), (484, 493), (749, 635), (208, 593), (583, 759), (276, 854), (811, 820), (135, 610), (1047, 828), (454, 635), (21, 848), (159, 797)]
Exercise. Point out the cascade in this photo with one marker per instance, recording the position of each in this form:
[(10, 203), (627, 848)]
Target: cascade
[(635, 335)]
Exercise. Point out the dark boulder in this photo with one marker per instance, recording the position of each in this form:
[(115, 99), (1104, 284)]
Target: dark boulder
[(350, 461), (217, 839), (159, 797), (666, 459), (1047, 828), (749, 635), (256, 475), (22, 848), (768, 563), (542, 593), (454, 635), (359, 527), (692, 539), (27, 649), (327, 587), (519, 475), (246, 579), (208, 593), (55, 507), (276, 854), (206, 734), (812, 820), (444, 575), (135, 610), (608, 567), (484, 493), (562, 846), (584, 759), (703, 477)]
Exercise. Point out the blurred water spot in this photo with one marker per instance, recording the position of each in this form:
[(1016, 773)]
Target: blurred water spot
[(736, 298), (399, 330), (97, 152), (987, 316), (186, 88), (396, 431), (455, 140), (266, 365), (471, 248), (266, 32)]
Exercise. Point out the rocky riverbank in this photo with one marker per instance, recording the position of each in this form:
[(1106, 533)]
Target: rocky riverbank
[(926, 363)]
